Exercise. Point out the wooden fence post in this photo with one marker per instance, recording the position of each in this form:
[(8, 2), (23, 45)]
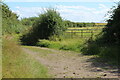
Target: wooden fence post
[(92, 34), (81, 33)]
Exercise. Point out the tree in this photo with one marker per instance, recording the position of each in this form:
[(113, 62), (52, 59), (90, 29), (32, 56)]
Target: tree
[(112, 30), (28, 21), (49, 24), (10, 22)]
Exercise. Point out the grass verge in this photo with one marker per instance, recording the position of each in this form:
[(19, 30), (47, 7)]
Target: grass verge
[(66, 44), (42, 52), (17, 64)]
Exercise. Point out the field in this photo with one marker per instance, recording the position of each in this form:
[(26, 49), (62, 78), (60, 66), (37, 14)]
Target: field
[(73, 39), (83, 32)]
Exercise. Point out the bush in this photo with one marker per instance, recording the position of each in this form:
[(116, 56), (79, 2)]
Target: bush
[(91, 49), (107, 43), (112, 31), (110, 52), (43, 43), (76, 46), (68, 44), (10, 22), (49, 44), (48, 24)]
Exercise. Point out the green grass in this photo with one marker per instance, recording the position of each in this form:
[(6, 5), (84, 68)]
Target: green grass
[(66, 44), (70, 41), (0, 58), (80, 35), (110, 53), (82, 32), (37, 50), (44, 52), (18, 64)]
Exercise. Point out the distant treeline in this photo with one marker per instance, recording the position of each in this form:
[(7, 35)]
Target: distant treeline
[(31, 20), (82, 24)]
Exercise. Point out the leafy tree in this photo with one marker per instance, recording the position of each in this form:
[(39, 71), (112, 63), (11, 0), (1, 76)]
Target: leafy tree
[(28, 21), (49, 24), (112, 30), (7, 15), (107, 44), (10, 22)]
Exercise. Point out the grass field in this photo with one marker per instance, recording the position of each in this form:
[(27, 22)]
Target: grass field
[(0, 58), (72, 39), (18, 64), (83, 32), (67, 44)]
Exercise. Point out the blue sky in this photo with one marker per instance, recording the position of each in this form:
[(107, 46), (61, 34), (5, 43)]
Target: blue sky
[(77, 11)]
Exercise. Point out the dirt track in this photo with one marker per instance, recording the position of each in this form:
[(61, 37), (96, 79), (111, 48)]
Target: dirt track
[(66, 64)]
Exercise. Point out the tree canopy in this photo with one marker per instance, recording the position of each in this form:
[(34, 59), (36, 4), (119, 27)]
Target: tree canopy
[(10, 22), (49, 24), (112, 31), (8, 19)]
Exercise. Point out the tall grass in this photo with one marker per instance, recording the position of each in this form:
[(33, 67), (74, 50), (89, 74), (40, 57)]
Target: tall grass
[(69, 41), (110, 52), (17, 64), (66, 44)]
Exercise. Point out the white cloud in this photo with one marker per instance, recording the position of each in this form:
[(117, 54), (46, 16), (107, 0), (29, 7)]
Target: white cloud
[(28, 11), (61, 0), (82, 13), (73, 13), (17, 7)]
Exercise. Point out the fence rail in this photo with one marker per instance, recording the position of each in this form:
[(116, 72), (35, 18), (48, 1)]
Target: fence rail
[(83, 32)]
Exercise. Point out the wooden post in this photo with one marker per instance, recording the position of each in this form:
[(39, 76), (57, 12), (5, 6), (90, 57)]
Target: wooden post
[(91, 34), (81, 33), (71, 33)]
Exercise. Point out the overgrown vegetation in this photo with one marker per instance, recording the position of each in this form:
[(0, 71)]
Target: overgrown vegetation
[(107, 44), (17, 64), (28, 21), (47, 30), (10, 22), (66, 44), (49, 26), (112, 31)]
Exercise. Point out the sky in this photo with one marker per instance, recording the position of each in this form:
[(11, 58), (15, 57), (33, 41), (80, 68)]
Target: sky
[(73, 10)]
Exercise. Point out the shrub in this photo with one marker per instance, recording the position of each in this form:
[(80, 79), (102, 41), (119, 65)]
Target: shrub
[(110, 52), (112, 31), (49, 24), (91, 49), (68, 44), (49, 44), (43, 43), (10, 22)]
